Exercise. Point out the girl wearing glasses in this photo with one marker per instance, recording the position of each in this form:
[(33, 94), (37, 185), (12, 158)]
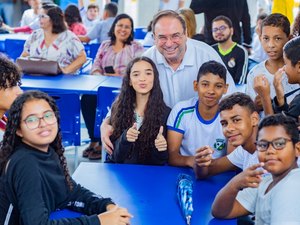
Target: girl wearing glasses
[(34, 176), (273, 198), (55, 42), (138, 117)]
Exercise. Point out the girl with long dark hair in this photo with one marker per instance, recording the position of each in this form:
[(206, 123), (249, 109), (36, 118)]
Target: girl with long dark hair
[(138, 117), (34, 177)]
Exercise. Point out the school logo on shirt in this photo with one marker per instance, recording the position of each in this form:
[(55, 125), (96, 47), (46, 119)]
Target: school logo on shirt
[(231, 63), (219, 144)]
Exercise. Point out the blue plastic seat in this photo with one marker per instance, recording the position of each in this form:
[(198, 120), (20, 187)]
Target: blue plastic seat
[(140, 33), (69, 107), (105, 98), (91, 50), (14, 48)]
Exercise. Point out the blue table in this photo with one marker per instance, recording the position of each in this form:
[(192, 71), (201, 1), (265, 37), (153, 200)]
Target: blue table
[(80, 84), (149, 192)]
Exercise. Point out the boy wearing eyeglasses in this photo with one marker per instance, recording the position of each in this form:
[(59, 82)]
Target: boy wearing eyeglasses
[(10, 81), (274, 197), (234, 56)]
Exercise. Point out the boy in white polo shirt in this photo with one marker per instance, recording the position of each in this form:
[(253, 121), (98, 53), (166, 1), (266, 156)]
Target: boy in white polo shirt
[(195, 123)]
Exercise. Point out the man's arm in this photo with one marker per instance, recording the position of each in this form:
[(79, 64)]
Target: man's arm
[(106, 131), (175, 158)]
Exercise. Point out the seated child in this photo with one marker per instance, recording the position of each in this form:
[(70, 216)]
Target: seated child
[(275, 32), (34, 177), (274, 197), (89, 15), (74, 21), (195, 123), (239, 120), (138, 117), (10, 81)]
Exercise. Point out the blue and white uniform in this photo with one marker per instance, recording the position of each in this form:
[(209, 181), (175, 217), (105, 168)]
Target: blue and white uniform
[(197, 132)]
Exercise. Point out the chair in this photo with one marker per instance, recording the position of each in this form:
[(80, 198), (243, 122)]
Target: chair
[(69, 107), (14, 48), (91, 50), (140, 32), (105, 98)]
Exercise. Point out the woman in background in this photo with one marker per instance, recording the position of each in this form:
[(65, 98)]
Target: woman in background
[(54, 42)]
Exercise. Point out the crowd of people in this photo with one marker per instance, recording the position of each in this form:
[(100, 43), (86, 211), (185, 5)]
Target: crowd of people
[(178, 105)]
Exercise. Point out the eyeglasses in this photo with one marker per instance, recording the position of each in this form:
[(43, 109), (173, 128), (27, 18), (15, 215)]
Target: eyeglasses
[(32, 122), (43, 16), (122, 26), (221, 29), (174, 37), (277, 144)]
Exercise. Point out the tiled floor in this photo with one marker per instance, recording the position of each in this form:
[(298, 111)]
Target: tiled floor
[(69, 153)]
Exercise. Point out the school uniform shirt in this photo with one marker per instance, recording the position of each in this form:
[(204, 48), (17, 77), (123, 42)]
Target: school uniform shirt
[(197, 132), (106, 56), (178, 85), (34, 185), (242, 158), (65, 49), (235, 60), (261, 69), (277, 207)]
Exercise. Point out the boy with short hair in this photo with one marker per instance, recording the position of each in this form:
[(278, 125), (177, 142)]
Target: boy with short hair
[(274, 197), (195, 123), (10, 81), (239, 120), (89, 15), (292, 70), (275, 32)]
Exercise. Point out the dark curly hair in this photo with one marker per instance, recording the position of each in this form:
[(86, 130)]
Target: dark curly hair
[(56, 16), (10, 74), (111, 32), (11, 140), (72, 15), (122, 113)]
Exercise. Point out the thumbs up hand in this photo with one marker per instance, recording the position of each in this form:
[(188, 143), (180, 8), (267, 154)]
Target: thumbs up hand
[(132, 133), (160, 141)]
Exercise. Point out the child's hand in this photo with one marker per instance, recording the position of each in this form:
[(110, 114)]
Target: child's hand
[(160, 141), (261, 86), (115, 216), (250, 177), (132, 133), (203, 156), (277, 82)]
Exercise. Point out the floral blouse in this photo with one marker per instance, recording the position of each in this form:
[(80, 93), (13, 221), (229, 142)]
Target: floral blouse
[(106, 56), (65, 49)]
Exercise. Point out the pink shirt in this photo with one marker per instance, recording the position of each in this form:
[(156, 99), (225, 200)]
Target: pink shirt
[(106, 56)]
